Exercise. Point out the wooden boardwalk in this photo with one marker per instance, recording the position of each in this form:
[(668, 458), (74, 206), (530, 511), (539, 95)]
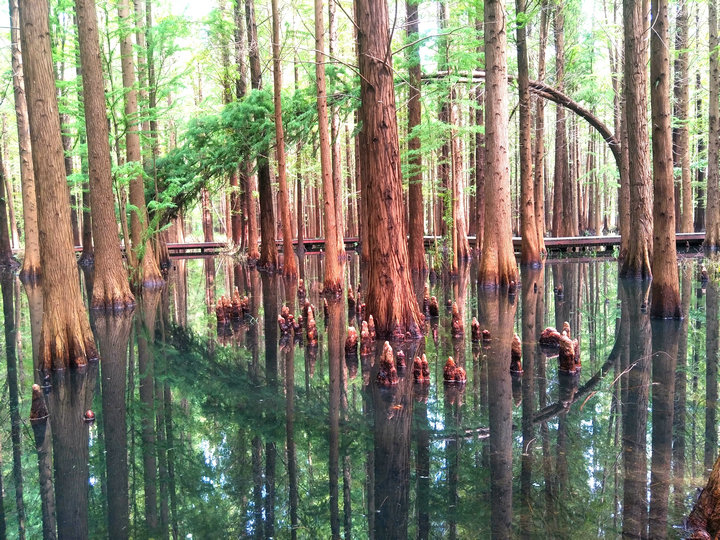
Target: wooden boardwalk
[(560, 244)]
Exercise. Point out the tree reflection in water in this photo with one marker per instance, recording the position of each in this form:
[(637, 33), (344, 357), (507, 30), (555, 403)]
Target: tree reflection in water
[(236, 431)]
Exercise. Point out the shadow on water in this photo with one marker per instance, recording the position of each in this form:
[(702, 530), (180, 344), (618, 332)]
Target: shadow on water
[(236, 430)]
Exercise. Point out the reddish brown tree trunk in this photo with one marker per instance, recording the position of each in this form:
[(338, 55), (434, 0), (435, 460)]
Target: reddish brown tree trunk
[(332, 283), (31, 260), (289, 264), (681, 135), (389, 292), (636, 262), (268, 257), (665, 287), (539, 151), (560, 214), (497, 267), (111, 289), (416, 246), (529, 250), (66, 338), (142, 252), (712, 233)]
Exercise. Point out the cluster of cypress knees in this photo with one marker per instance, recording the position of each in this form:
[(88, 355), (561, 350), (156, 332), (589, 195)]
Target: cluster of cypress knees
[(551, 340)]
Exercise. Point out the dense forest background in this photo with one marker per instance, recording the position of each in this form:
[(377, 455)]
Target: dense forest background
[(202, 114)]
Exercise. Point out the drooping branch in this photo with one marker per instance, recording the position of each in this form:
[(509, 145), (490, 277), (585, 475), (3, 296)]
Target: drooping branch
[(551, 94)]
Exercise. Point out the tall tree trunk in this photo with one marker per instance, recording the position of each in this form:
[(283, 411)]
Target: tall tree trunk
[(146, 271), (712, 234), (559, 212), (332, 283), (665, 287), (389, 293), (31, 260), (335, 141), (111, 289), (268, 257), (539, 150), (7, 260), (416, 246), (289, 264), (461, 248), (681, 135), (66, 338), (700, 173), (207, 220), (636, 262), (529, 249), (480, 149), (498, 266)]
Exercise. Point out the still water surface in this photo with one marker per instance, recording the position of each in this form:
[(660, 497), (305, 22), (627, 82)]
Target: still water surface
[(231, 432)]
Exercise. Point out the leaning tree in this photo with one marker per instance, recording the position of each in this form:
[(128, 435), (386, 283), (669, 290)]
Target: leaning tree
[(498, 266), (66, 338), (389, 292)]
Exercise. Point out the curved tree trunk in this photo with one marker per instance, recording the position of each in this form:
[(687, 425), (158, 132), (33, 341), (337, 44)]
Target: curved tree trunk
[(31, 260), (665, 287), (636, 262), (332, 283), (712, 234), (389, 293), (530, 249), (111, 289), (416, 247), (497, 267), (289, 264), (66, 338), (145, 269)]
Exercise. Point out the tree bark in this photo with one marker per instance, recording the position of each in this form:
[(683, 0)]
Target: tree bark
[(416, 246), (665, 287), (529, 249), (289, 264), (681, 135), (334, 116), (539, 150), (497, 267), (332, 283), (7, 260), (66, 338), (560, 213), (636, 262), (146, 271), (389, 293), (31, 260), (461, 247), (268, 256), (712, 233), (111, 289)]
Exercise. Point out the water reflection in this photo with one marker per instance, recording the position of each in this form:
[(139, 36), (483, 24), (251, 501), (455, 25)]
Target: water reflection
[(236, 431)]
